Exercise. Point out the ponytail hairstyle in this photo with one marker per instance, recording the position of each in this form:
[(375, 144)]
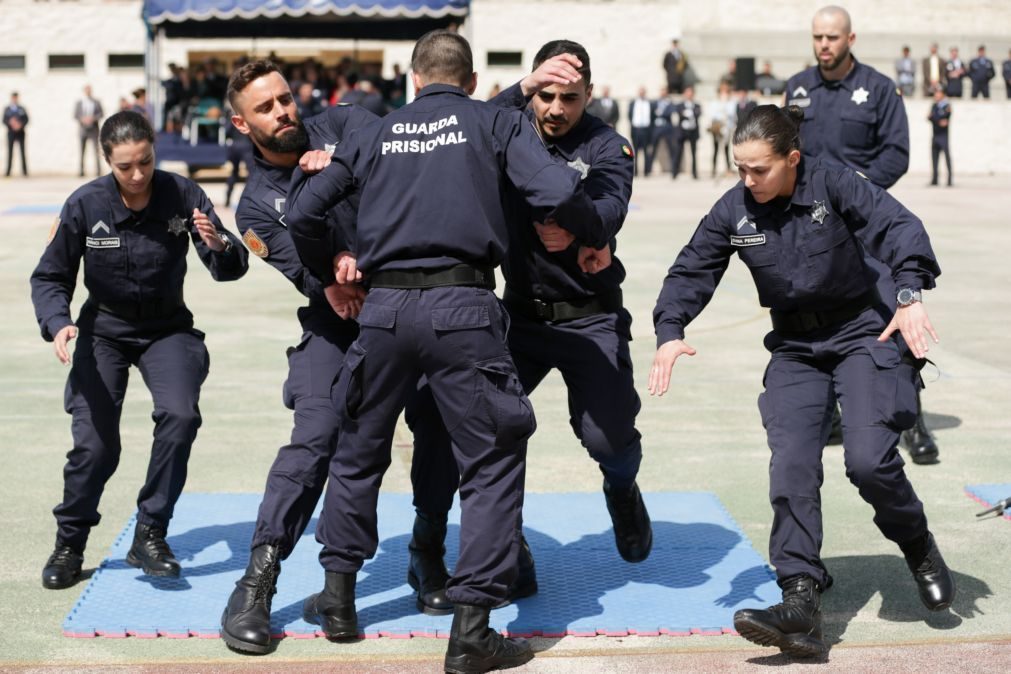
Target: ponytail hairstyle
[(126, 126), (779, 127)]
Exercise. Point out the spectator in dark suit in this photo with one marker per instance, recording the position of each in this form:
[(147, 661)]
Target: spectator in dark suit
[(604, 107), (674, 64), (15, 119), (956, 71), (88, 113), (744, 106), (640, 117)]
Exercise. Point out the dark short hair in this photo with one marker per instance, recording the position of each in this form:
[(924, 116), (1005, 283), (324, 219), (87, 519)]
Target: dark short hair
[(779, 127), (556, 47), (444, 56), (245, 75), (124, 127)]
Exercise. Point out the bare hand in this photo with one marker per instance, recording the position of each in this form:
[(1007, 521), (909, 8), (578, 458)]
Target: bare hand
[(61, 340), (559, 69), (345, 268), (663, 363), (209, 234), (912, 322), (314, 161), (554, 238), (346, 300), (591, 260)]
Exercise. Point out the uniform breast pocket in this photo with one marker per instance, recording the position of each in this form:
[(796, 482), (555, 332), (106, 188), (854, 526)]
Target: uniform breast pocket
[(107, 258), (858, 129), (763, 263), (833, 259)]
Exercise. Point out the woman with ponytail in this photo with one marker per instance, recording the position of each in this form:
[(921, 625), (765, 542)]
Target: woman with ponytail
[(802, 229)]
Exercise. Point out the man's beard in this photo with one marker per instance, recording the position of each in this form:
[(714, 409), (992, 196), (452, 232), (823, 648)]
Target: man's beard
[(292, 141), (835, 63)]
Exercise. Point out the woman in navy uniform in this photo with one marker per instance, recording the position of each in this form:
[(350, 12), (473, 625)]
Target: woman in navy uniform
[(801, 228), (132, 230)]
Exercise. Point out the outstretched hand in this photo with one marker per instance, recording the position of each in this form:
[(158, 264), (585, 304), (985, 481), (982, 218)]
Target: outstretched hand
[(209, 234), (663, 363), (914, 324), (61, 340), (345, 300)]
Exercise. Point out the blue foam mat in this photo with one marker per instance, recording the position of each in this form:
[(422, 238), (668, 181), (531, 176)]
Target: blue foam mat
[(990, 494), (701, 570)]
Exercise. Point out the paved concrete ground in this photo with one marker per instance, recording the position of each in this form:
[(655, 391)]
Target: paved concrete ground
[(705, 434)]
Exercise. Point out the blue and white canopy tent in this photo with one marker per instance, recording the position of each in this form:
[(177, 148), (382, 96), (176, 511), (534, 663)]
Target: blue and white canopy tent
[(339, 19), (362, 19)]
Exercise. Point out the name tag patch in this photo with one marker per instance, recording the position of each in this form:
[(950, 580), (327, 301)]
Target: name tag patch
[(104, 242), (749, 240)]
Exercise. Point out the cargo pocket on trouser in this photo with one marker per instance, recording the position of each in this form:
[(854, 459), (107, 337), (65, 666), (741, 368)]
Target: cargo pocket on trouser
[(895, 387), (507, 407), (296, 384), (349, 390)]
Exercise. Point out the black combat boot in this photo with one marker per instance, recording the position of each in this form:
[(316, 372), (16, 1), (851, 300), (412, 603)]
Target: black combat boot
[(151, 553), (918, 441), (245, 624), (793, 626), (333, 609), (933, 578), (427, 573), (475, 648), (63, 567), (633, 533)]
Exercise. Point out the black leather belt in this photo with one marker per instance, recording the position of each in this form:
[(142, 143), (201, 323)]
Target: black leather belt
[(162, 307), (807, 321), (458, 275), (562, 311)]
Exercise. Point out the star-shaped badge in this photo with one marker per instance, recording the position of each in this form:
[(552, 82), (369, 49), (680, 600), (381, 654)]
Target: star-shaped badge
[(860, 96), (177, 225), (581, 166), (819, 212)]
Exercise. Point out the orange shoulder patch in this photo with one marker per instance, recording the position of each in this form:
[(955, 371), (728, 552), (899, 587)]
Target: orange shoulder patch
[(255, 244)]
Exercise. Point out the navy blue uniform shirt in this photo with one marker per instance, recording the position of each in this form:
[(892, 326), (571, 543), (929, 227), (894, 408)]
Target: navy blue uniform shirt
[(805, 252), (981, 70), (859, 122), (260, 214), (432, 177), (603, 161), (940, 110), (131, 259)]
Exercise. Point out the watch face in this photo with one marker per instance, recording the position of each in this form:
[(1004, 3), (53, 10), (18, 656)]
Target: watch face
[(905, 296)]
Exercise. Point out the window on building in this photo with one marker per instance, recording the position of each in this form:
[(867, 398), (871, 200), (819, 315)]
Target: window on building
[(505, 58), (126, 61), (12, 61), (66, 61)]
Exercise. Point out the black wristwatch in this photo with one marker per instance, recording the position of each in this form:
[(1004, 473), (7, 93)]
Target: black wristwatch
[(907, 296)]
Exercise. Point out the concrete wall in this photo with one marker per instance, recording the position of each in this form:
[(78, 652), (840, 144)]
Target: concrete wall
[(626, 39)]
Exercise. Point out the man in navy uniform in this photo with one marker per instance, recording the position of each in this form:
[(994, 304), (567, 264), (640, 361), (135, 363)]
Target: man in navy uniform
[(266, 113), (15, 119), (563, 316), (940, 119), (688, 113), (854, 117), (980, 73), (664, 132), (430, 230)]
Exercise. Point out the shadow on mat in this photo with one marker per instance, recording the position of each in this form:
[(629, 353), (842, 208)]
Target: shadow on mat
[(859, 578), (940, 422)]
